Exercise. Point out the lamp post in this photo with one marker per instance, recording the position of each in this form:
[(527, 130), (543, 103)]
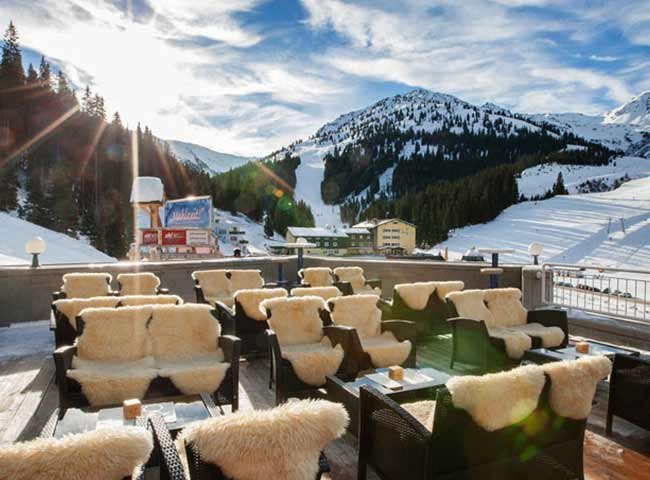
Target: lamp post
[(535, 250), (35, 247)]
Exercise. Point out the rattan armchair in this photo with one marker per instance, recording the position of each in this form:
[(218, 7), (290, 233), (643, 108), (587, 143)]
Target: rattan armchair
[(629, 391), (397, 446)]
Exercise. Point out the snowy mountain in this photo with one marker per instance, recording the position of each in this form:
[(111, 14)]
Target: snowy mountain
[(204, 158), (60, 248), (636, 113), (609, 229)]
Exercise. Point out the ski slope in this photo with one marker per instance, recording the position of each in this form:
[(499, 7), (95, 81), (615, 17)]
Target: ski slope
[(609, 229), (538, 180), (254, 232), (204, 158), (309, 176), (60, 248)]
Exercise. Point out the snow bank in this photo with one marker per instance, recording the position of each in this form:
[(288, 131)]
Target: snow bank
[(60, 248)]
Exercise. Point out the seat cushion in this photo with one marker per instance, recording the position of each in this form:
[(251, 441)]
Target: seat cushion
[(245, 279), (317, 276), (202, 373), (295, 320), (133, 300), (385, 350), (142, 283), (280, 443), (115, 334), (110, 383), (505, 306), (498, 400), (551, 336), (423, 411), (86, 285), (323, 292), (313, 362), (516, 342), (250, 299), (183, 331), (73, 306), (105, 454)]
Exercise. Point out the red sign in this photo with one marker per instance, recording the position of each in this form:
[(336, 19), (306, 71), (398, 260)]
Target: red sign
[(174, 237), (149, 237)]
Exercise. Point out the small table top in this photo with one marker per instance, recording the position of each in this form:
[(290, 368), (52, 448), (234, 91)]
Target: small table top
[(435, 379), (496, 250), (178, 411), (569, 353)]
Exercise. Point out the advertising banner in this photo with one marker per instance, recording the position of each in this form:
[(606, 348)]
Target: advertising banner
[(189, 213), (149, 237), (174, 237), (198, 237)]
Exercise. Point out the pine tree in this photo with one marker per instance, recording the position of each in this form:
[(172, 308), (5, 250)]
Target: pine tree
[(32, 75), (268, 226), (45, 73), (87, 101), (11, 66), (117, 120), (62, 87), (98, 108), (558, 187)]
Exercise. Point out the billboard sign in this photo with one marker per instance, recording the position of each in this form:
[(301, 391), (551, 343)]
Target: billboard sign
[(192, 212), (174, 237), (198, 237), (149, 237)]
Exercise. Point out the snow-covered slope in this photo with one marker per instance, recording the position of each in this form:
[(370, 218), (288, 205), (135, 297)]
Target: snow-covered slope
[(254, 232), (636, 112), (204, 158), (60, 248), (538, 180), (610, 229)]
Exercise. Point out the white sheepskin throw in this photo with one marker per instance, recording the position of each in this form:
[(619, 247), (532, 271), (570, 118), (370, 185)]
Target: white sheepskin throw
[(357, 280), (105, 454), (214, 283), (227, 301), (73, 307), (203, 373), (295, 320), (551, 336), (516, 342), (499, 399), (444, 288), (317, 276), (110, 383), (135, 300), (86, 285), (246, 279), (471, 304), (115, 334), (358, 311), (505, 306), (573, 384), (250, 300), (312, 362), (323, 292), (416, 295), (183, 331), (281, 443), (423, 411), (385, 350), (142, 283)]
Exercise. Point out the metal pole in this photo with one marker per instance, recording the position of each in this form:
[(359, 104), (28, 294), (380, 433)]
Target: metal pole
[(494, 279)]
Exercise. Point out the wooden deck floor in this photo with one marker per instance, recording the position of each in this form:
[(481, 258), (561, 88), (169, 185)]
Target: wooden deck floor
[(28, 397)]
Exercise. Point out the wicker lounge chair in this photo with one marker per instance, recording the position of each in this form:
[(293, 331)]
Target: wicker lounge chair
[(629, 391), (357, 280)]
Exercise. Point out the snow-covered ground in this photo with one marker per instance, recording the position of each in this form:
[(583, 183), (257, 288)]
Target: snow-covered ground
[(254, 232), (204, 158), (60, 248), (536, 181), (309, 176), (609, 229)]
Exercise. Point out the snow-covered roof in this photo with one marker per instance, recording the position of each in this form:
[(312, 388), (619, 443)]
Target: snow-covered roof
[(356, 231), (315, 232), (147, 189), (375, 222)]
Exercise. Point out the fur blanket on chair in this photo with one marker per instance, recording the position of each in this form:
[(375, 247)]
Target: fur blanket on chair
[(86, 285), (281, 443), (295, 320), (142, 283), (135, 300), (416, 295), (105, 454), (471, 304), (357, 280), (499, 399), (214, 283), (423, 411), (505, 306), (516, 342), (551, 336), (362, 313), (312, 362), (74, 306), (245, 279), (573, 384), (317, 276), (323, 292), (250, 300)]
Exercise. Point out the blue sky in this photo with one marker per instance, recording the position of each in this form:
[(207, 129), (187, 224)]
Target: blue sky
[(250, 76)]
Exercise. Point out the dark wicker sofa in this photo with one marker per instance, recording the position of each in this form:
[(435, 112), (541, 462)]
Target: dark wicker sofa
[(397, 446), (629, 391)]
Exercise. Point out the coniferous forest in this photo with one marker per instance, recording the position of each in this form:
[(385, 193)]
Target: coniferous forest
[(65, 166)]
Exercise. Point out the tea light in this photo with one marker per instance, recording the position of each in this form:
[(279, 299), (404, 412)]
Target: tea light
[(582, 347), (131, 408), (396, 373)]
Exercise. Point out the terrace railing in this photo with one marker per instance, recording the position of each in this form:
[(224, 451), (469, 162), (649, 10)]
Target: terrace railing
[(615, 292)]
